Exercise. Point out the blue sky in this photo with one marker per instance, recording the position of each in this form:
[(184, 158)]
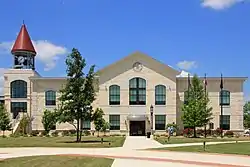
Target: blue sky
[(201, 36)]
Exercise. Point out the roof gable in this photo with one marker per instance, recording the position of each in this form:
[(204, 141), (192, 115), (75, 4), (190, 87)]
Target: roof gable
[(126, 64)]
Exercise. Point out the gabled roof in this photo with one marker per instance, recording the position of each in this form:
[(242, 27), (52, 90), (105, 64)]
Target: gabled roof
[(23, 42), (126, 63)]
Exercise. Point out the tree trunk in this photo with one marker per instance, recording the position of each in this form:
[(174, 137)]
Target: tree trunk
[(3, 133), (77, 131), (195, 132), (205, 131), (81, 121)]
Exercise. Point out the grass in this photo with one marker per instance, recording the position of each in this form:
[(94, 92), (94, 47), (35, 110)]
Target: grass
[(232, 148), (179, 140), (67, 141), (56, 161)]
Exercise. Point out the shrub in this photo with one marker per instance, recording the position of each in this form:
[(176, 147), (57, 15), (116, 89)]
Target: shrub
[(188, 132), (200, 132), (43, 133), (34, 133), (229, 133), (54, 134), (218, 131), (86, 133), (65, 133), (72, 132)]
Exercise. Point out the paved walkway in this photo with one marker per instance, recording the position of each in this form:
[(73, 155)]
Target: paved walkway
[(128, 156)]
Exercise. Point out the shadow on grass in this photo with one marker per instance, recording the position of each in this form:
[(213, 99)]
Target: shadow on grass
[(87, 141)]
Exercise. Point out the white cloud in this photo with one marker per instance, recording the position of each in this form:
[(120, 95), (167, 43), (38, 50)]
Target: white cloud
[(2, 70), (184, 74), (47, 52), (220, 4), (187, 65)]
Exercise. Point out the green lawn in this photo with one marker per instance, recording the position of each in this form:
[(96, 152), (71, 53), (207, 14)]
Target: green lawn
[(178, 140), (56, 161), (67, 141), (232, 148)]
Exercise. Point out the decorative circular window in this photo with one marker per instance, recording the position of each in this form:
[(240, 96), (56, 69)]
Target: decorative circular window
[(137, 66)]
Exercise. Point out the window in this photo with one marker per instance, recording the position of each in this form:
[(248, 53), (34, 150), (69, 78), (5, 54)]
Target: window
[(17, 107), (114, 95), (160, 95), (50, 98), (225, 122), (160, 122), (114, 121), (137, 91), (18, 89), (86, 125), (211, 125), (224, 97)]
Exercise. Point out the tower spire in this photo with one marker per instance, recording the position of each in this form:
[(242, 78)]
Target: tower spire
[(23, 42)]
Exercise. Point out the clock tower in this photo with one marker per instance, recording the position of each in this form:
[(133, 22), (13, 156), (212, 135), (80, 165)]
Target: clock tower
[(23, 51)]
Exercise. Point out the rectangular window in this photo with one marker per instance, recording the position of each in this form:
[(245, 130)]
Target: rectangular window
[(225, 98), (114, 121), (17, 107), (225, 122), (86, 125), (160, 122)]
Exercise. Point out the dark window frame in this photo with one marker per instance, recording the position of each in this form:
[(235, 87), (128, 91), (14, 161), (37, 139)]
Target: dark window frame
[(50, 98), (160, 93), (18, 107), (86, 125), (113, 121), (114, 93), (140, 91), (18, 89), (225, 97), (225, 122), (160, 123)]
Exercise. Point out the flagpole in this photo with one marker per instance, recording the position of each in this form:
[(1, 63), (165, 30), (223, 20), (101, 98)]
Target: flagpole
[(205, 84), (221, 106)]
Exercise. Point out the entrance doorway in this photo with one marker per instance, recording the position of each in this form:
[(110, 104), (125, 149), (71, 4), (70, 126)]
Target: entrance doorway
[(137, 128)]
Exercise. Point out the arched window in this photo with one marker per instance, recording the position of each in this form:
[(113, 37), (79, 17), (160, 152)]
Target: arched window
[(160, 95), (50, 98), (225, 97), (114, 95), (137, 91), (18, 89)]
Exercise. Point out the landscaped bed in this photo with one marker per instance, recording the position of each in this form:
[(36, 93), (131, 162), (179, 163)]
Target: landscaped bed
[(56, 161), (66, 141), (232, 148), (181, 139)]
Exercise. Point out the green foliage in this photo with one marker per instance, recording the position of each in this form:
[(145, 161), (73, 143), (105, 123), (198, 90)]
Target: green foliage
[(99, 121), (246, 110), (196, 112), (24, 123), (78, 93), (105, 127), (49, 120), (5, 123)]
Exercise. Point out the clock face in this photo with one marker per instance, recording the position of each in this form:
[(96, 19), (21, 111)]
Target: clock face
[(20, 60), (137, 66)]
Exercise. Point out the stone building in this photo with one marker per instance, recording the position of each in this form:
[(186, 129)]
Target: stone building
[(129, 91)]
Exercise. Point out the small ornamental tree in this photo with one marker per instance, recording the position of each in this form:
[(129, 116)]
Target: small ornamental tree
[(246, 110), (196, 112), (5, 123), (49, 120), (105, 127), (99, 121)]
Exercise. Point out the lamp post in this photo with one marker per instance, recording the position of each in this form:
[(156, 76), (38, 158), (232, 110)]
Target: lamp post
[(151, 116)]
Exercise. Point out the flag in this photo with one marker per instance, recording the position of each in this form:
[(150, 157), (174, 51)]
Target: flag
[(205, 80), (221, 82), (189, 82)]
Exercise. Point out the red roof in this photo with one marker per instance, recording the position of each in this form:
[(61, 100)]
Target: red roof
[(23, 41)]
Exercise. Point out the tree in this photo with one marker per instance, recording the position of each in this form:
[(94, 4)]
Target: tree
[(5, 123), (24, 123), (105, 127), (49, 120), (99, 121), (246, 110), (196, 112), (78, 93)]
